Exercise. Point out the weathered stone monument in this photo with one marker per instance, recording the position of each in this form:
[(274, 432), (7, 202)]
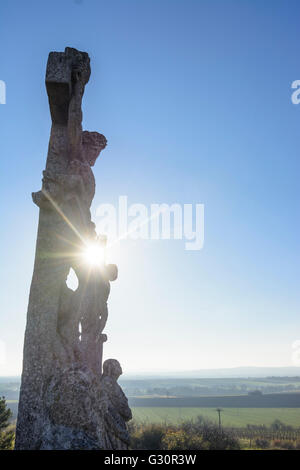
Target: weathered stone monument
[(66, 401)]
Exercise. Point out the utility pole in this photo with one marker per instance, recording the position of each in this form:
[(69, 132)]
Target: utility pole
[(219, 414)]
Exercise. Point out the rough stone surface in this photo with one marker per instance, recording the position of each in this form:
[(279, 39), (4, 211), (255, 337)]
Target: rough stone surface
[(65, 400)]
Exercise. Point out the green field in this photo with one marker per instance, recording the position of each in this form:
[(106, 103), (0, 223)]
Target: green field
[(233, 417)]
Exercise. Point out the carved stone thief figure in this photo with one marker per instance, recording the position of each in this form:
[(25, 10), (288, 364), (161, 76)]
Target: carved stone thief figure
[(65, 401), (114, 405)]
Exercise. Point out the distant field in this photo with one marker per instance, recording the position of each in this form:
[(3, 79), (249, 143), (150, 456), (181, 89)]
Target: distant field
[(235, 417), (271, 400)]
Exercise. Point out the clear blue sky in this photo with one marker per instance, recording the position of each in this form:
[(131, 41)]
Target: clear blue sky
[(194, 99)]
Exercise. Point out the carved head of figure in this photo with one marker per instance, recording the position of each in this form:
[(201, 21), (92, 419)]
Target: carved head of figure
[(112, 368), (92, 143)]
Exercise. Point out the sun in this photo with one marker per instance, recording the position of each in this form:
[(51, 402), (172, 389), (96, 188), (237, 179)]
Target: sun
[(94, 254)]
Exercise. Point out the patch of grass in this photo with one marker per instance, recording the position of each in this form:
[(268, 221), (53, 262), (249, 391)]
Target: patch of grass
[(231, 417)]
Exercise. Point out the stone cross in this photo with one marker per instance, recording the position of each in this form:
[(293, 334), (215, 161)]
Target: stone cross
[(64, 402)]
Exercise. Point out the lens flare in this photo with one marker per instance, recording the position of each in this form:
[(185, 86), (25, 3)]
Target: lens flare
[(94, 254)]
